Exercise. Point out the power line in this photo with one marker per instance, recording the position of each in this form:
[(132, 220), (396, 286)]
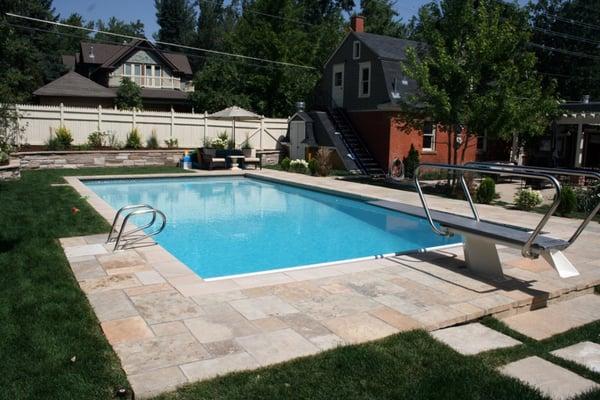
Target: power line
[(566, 35), (570, 21), (563, 51), (241, 56), (113, 42)]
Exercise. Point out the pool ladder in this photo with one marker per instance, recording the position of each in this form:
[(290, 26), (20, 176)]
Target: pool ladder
[(119, 234)]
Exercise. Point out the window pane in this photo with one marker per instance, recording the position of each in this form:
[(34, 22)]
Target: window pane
[(427, 141), (127, 69), (138, 69), (365, 87), (365, 74), (338, 79), (157, 70)]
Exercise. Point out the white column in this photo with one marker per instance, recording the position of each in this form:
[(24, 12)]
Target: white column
[(579, 146), (172, 122), (262, 131), (205, 127), (62, 114), (99, 117)]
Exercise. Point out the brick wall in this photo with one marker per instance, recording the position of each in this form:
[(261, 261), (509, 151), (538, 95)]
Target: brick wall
[(388, 138)]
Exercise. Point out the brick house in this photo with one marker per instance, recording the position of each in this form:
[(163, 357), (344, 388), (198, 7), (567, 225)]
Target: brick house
[(96, 70), (364, 78)]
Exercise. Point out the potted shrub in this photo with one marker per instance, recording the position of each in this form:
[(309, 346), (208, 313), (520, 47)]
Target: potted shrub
[(4, 159), (247, 149)]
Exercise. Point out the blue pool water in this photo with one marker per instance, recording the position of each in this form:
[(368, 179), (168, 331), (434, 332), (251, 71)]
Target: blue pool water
[(228, 226)]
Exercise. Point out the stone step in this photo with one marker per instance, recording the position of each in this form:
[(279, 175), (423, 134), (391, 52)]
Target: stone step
[(556, 318)]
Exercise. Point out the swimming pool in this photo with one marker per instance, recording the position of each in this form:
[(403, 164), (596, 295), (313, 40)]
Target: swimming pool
[(223, 226)]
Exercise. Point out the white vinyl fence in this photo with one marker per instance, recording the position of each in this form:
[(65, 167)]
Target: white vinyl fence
[(39, 122)]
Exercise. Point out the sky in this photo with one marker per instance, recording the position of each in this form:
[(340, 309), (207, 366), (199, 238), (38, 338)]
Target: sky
[(131, 10)]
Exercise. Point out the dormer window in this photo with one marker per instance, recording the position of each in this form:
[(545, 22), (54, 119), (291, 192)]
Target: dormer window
[(356, 50)]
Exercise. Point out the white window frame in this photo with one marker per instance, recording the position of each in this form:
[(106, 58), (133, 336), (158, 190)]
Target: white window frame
[(362, 66), (432, 135), (356, 49)]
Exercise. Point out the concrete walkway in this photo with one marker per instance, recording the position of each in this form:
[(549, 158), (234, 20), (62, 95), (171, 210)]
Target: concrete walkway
[(169, 327)]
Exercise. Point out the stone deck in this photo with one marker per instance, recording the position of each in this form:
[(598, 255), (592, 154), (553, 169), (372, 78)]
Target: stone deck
[(169, 326)]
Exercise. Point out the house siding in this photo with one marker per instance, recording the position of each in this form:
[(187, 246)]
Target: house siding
[(352, 102)]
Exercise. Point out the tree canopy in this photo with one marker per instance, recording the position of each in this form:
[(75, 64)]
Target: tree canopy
[(382, 19), (475, 71), (176, 20), (129, 95), (570, 32)]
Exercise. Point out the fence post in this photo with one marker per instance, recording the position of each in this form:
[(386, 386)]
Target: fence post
[(99, 117), (134, 117), (62, 114), (262, 131), (205, 127), (172, 122)]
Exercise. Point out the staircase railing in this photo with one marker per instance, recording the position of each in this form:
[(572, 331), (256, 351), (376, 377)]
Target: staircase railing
[(130, 237)]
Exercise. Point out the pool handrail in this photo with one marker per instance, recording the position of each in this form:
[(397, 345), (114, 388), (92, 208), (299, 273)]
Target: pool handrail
[(526, 250), (154, 212), (580, 172)]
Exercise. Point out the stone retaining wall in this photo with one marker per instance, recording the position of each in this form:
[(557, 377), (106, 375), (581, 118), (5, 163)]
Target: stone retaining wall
[(114, 158), (108, 158), (10, 172)]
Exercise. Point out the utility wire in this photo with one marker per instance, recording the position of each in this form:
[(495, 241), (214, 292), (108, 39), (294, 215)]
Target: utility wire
[(566, 35), (112, 42), (563, 51), (264, 14), (570, 21), (241, 56)]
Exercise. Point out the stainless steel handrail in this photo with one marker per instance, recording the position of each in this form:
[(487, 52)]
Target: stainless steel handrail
[(118, 214), (557, 172), (526, 251), (154, 213)]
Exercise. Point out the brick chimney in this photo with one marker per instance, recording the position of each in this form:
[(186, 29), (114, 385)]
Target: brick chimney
[(357, 23)]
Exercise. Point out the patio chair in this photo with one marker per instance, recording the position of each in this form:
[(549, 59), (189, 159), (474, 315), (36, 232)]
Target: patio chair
[(211, 161)]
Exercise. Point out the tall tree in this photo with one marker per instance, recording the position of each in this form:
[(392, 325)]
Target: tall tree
[(573, 27), (114, 25), (476, 72), (27, 56), (293, 31), (381, 18), (176, 20)]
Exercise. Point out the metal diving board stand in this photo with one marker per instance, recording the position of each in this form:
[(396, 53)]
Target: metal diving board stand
[(481, 237)]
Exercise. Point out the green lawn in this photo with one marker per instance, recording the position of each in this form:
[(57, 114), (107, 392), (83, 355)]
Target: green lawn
[(45, 320)]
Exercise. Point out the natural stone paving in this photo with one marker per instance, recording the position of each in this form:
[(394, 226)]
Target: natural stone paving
[(543, 323), (584, 353), (168, 326), (473, 338), (553, 381)]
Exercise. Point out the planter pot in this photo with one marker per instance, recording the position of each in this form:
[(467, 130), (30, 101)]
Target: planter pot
[(249, 153)]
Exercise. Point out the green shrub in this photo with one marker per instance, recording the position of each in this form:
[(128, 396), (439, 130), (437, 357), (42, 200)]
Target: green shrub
[(313, 166), (285, 164), (568, 202), (152, 142), (3, 158), (299, 166), (172, 143), (134, 140), (588, 198), (64, 136), (114, 142), (221, 142), (95, 140), (527, 199), (486, 191), (411, 162)]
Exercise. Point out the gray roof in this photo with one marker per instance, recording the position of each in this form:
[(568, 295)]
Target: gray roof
[(109, 54), (74, 85), (167, 94), (386, 46)]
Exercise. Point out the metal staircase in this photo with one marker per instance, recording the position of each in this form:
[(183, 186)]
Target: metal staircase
[(356, 147), (122, 238)]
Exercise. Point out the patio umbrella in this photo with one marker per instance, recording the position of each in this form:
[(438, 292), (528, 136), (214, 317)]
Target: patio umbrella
[(235, 113)]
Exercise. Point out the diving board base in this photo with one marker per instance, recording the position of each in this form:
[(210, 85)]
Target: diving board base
[(560, 263), (481, 256)]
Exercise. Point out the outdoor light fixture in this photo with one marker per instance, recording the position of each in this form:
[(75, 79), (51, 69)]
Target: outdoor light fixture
[(91, 55)]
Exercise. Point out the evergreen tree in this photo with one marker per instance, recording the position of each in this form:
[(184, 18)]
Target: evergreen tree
[(129, 95), (382, 19), (177, 21), (114, 25), (477, 72), (27, 57)]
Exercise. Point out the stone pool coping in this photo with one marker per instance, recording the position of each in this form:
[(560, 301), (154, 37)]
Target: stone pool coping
[(169, 327)]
